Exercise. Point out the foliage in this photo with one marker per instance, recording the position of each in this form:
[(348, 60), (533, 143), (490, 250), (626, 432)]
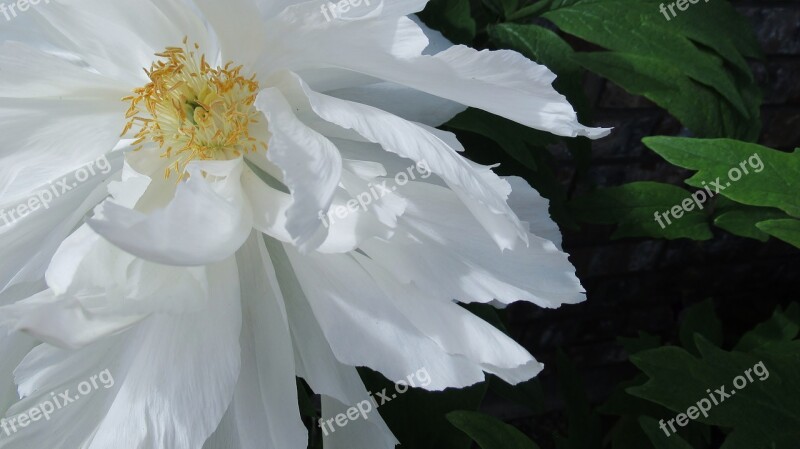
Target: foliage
[(754, 189), (763, 413), (695, 67)]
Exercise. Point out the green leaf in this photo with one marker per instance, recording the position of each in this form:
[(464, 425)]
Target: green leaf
[(583, 431), (509, 6), (637, 27), (700, 319), (546, 47), (526, 12), (787, 230), (633, 208), (503, 7), (622, 403), (676, 63), (742, 220), (489, 432), (766, 410), (783, 326), (642, 342), (766, 177), (532, 161), (494, 6), (452, 18), (627, 432), (697, 106), (631, 407), (515, 139), (658, 438), (540, 7), (538, 44), (725, 36)]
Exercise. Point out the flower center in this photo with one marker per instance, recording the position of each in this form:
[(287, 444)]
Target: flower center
[(193, 111)]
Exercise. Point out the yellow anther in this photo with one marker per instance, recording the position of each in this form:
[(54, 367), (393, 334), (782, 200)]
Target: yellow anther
[(194, 110)]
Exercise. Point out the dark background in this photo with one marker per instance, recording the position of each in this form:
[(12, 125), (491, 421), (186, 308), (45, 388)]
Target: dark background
[(644, 284)]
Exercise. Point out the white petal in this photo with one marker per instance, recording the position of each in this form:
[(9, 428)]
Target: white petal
[(317, 364), (391, 38), (195, 395), (265, 404), (397, 8), (207, 221), (192, 398), (361, 210), (455, 329), (383, 8), (437, 40), (12, 350), (31, 73), (239, 27), (397, 99), (119, 39), (62, 322), (438, 235), (314, 360), (97, 290), (531, 207), (270, 206), (46, 139), (402, 101), (501, 82), (418, 144), (29, 242), (357, 434), (364, 329), (47, 369), (302, 155), (68, 258), (110, 281)]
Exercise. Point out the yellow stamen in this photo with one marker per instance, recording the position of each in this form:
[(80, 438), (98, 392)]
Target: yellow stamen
[(197, 112)]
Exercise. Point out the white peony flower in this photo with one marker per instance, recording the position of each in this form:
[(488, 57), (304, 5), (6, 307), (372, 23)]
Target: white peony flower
[(253, 224)]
